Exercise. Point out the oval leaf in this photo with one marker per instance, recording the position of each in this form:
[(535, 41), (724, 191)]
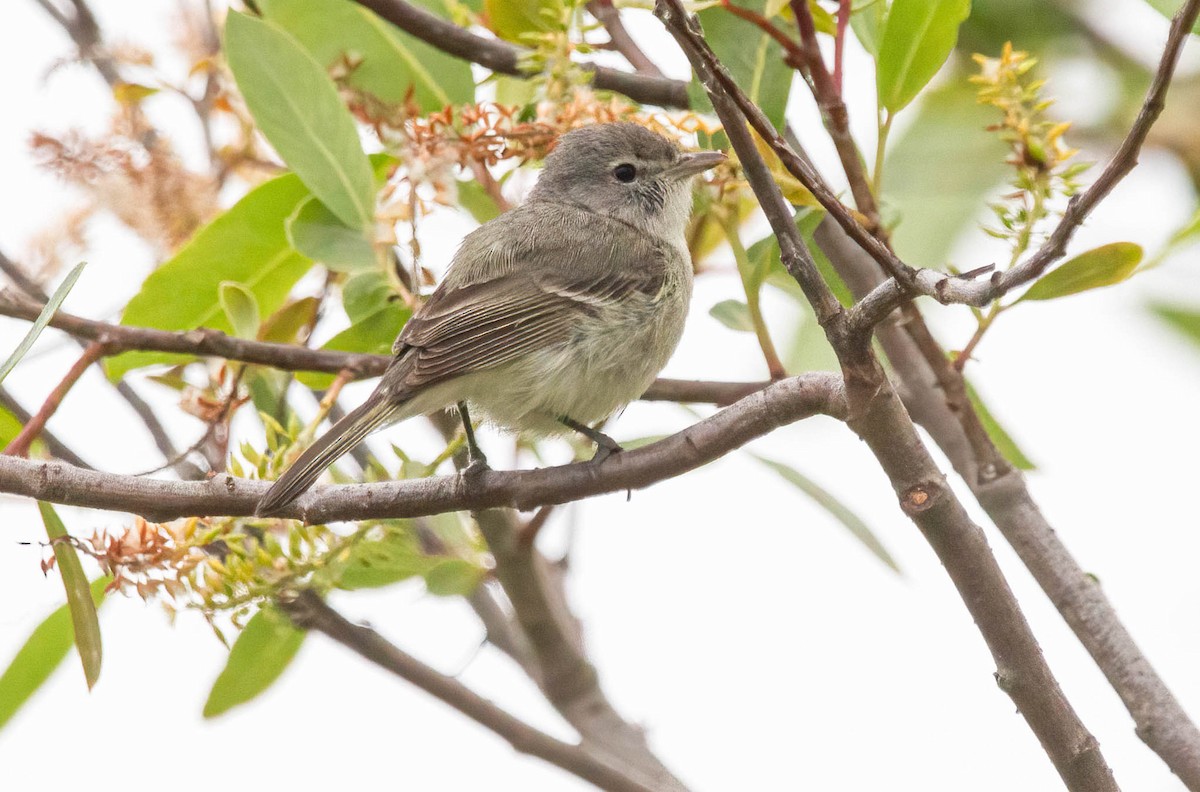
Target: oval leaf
[(42, 652), (297, 108), (514, 20), (260, 654), (247, 244), (454, 577), (835, 507), (79, 595), (240, 307), (754, 59), (43, 319), (917, 38), (1102, 266), (1002, 439), (319, 234), (1184, 320), (387, 63), (734, 314)]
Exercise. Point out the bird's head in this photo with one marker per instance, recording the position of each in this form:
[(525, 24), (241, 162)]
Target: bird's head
[(627, 172)]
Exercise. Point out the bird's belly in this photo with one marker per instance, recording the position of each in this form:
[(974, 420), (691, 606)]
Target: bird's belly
[(609, 361)]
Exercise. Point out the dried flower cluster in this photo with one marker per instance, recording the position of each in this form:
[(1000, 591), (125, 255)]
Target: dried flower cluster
[(133, 173)]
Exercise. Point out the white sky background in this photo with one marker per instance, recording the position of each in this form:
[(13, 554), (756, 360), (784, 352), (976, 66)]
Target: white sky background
[(760, 645)]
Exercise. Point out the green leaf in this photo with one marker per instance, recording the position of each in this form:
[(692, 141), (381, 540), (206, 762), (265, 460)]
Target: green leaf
[(366, 294), (260, 654), (297, 108), (387, 63), (240, 307), (394, 557), (246, 244), (936, 205), (1103, 266), (373, 334), (917, 38), (734, 314), (79, 594), (320, 235), (515, 20), (1168, 8), (284, 326), (10, 426), (42, 320), (1184, 320), (41, 654), (807, 220), (836, 509), (867, 21), (754, 59), (475, 199), (454, 577), (1001, 438)]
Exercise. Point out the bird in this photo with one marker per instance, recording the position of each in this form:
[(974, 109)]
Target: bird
[(552, 316)]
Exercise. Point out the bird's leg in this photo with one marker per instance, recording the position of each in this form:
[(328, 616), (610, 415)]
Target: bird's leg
[(476, 461), (605, 445)]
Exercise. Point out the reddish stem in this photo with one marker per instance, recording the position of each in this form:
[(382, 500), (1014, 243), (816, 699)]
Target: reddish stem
[(21, 443), (839, 43)]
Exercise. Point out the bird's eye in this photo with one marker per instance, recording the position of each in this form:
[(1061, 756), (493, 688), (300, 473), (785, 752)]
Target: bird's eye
[(625, 172)]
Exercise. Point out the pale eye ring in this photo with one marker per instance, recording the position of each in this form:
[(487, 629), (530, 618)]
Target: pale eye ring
[(625, 172)]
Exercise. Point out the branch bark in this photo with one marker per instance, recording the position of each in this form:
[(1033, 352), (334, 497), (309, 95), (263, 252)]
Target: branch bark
[(878, 417), (310, 612), (504, 58), (936, 398), (777, 405)]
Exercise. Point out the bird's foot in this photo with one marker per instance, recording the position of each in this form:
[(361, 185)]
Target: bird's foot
[(605, 449), (475, 466)]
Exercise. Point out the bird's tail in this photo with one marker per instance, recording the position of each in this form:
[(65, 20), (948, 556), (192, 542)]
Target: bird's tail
[(341, 437)]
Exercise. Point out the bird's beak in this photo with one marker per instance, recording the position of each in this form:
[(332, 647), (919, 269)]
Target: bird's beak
[(691, 164)]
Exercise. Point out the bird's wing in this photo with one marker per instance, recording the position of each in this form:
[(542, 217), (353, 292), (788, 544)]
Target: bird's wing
[(491, 322)]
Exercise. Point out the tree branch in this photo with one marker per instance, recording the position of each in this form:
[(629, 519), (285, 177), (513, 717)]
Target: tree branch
[(566, 676), (504, 58), (779, 404), (876, 415), (1002, 491), (309, 612), (608, 15), (290, 357), (947, 289), (82, 28)]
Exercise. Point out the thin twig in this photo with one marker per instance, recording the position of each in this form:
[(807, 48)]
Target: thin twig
[(309, 612), (34, 426), (836, 117), (143, 410), (607, 14), (794, 53), (947, 289), (57, 447)]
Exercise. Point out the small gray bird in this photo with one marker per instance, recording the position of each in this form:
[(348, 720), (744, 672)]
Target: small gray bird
[(552, 316)]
